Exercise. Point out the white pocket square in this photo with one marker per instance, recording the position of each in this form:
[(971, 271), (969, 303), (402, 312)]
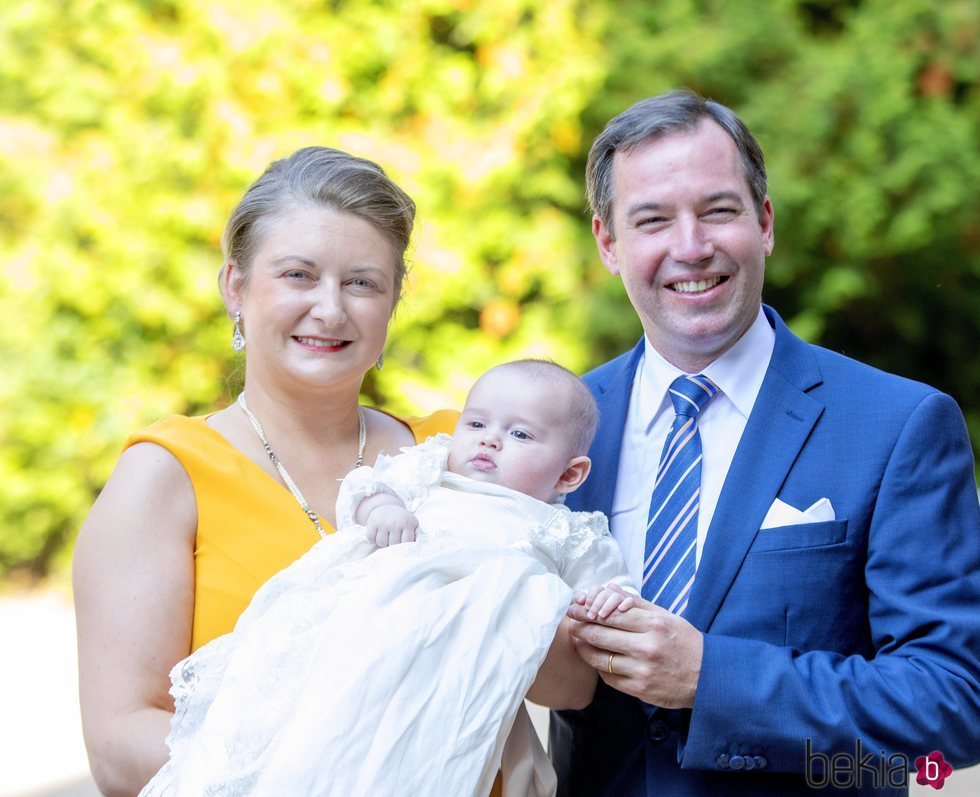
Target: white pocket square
[(782, 514)]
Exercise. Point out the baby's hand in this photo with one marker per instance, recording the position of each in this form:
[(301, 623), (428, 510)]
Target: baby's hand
[(390, 524), (603, 601)]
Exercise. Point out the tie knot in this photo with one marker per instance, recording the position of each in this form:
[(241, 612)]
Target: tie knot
[(691, 393)]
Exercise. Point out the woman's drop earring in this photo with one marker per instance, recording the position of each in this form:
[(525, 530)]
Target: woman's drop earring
[(381, 361), (237, 338)]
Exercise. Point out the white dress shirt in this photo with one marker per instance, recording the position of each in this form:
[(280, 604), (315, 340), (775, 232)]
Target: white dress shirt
[(738, 373)]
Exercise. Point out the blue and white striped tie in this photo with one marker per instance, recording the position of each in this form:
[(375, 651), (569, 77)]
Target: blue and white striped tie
[(672, 524)]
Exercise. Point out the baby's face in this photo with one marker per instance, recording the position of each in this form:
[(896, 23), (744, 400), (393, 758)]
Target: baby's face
[(510, 434)]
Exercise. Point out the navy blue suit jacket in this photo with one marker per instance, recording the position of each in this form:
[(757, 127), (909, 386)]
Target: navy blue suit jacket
[(864, 628)]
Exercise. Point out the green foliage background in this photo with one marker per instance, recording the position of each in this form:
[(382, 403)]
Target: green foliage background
[(128, 128)]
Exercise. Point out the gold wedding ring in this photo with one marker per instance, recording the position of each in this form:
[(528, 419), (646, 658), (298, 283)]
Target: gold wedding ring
[(609, 665)]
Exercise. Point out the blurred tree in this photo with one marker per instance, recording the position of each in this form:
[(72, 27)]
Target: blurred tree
[(128, 129)]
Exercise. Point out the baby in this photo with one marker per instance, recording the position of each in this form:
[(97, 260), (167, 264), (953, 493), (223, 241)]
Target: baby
[(368, 667)]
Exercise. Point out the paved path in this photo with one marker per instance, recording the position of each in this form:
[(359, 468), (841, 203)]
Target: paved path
[(41, 751)]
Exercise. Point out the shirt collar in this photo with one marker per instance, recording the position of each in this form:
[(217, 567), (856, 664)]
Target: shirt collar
[(738, 373)]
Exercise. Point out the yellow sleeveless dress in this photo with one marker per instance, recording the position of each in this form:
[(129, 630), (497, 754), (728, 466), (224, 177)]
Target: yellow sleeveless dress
[(249, 526)]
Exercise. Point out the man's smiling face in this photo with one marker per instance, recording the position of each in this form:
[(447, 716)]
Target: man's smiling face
[(688, 242)]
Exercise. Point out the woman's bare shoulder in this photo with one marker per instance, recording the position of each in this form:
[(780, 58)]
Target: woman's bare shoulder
[(149, 492), (389, 433)]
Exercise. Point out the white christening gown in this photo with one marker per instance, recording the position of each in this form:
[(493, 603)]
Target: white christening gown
[(392, 671)]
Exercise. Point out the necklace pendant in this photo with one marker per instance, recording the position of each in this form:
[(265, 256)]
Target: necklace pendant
[(290, 484), (316, 522)]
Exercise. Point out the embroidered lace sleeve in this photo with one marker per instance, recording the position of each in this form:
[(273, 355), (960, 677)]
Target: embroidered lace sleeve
[(407, 475), (584, 551)]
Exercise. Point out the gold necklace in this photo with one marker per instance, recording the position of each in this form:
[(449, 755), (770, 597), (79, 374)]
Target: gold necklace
[(290, 484)]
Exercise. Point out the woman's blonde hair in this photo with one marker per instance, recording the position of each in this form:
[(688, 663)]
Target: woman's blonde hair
[(326, 177)]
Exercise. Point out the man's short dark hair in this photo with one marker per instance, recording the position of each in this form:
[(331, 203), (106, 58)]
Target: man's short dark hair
[(676, 111)]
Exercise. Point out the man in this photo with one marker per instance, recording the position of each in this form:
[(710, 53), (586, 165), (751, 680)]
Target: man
[(821, 566)]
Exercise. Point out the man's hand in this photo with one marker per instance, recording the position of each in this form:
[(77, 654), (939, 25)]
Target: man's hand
[(390, 524), (645, 652)]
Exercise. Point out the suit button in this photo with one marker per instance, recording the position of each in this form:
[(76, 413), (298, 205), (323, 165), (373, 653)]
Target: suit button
[(657, 730), (760, 761), (736, 762), (749, 762), (722, 761)]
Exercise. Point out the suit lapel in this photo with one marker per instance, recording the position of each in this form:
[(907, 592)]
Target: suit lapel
[(612, 393), (777, 428)]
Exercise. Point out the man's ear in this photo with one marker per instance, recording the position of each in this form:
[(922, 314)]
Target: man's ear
[(606, 241), (575, 473), (767, 222)]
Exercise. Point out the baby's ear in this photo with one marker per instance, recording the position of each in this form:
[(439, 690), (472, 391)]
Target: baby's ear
[(575, 473)]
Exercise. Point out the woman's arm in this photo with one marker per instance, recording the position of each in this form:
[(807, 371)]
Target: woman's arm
[(133, 575), (564, 680)]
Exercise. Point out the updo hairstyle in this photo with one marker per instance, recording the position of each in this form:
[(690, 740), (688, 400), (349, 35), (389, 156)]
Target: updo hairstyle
[(320, 176)]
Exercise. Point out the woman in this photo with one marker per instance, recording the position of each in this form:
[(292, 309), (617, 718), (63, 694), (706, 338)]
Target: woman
[(199, 512)]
